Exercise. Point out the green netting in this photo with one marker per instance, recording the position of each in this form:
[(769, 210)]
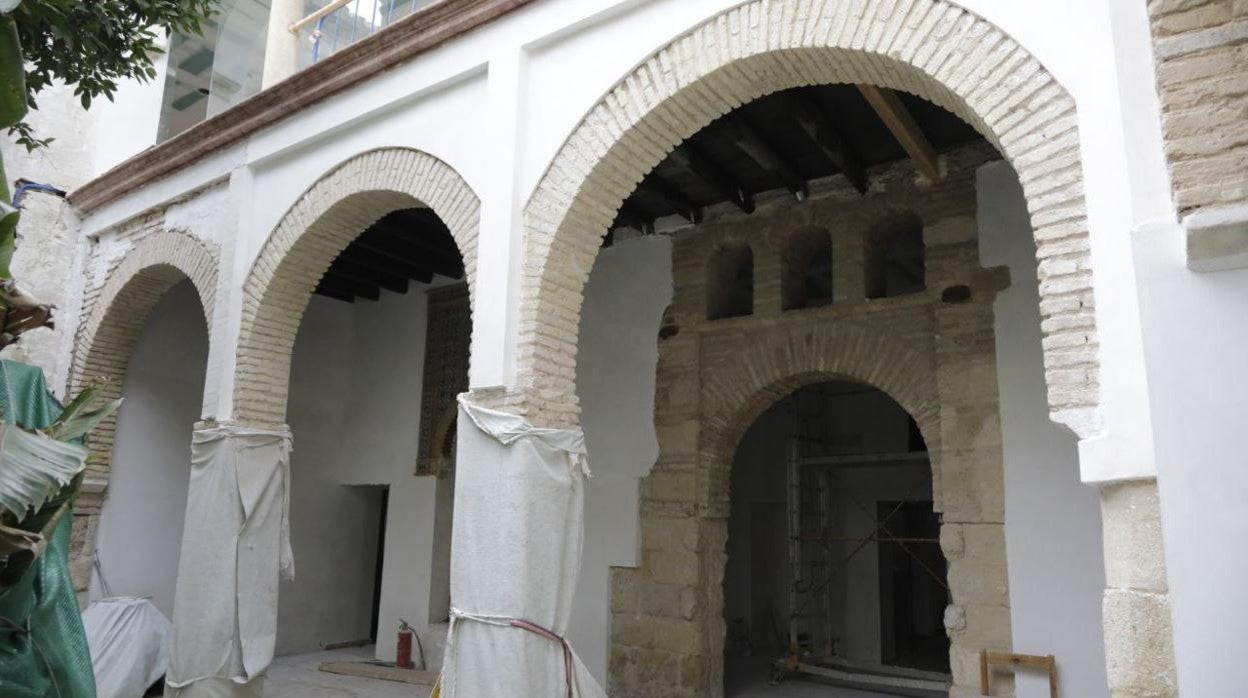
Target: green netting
[(43, 649)]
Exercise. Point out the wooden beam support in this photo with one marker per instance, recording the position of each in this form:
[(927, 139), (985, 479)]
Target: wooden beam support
[(821, 129), (417, 251), (363, 288), (670, 195), (329, 290), (905, 129), (688, 156), (753, 144), (366, 272), (378, 256), (630, 215)]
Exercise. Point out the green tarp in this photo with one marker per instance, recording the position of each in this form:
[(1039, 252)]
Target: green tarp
[(43, 649)]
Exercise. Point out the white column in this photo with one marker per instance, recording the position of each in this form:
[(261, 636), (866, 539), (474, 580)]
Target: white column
[(234, 547), (496, 289), (281, 49)]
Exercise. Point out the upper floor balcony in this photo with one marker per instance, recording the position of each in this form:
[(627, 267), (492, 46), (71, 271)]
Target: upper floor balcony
[(252, 44)]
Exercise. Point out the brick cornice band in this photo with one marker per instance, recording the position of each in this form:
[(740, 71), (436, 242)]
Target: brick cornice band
[(425, 29)]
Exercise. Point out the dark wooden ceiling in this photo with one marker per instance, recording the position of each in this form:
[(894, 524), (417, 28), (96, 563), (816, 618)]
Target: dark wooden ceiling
[(409, 244), (782, 142)]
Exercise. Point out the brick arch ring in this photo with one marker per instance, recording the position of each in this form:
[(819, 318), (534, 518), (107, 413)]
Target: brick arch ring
[(929, 48), (321, 223), (113, 321), (737, 390)]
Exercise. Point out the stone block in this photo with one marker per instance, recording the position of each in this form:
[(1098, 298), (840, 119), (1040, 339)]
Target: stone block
[(1139, 649), (1131, 521)]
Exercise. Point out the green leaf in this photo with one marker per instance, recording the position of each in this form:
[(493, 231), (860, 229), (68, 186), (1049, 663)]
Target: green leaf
[(13, 87), (78, 425), (33, 469), (78, 404)]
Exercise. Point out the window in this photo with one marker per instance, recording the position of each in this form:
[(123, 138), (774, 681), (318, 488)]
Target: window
[(806, 270), (730, 282), (893, 257)]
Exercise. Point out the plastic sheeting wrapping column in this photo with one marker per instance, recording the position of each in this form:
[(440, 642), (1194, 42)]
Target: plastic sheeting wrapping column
[(515, 555), (235, 545)]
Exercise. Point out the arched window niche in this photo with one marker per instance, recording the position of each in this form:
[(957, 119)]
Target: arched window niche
[(893, 257), (730, 282), (806, 270)]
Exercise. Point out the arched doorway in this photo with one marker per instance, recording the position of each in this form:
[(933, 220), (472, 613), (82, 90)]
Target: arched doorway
[(355, 331), (834, 571), (869, 273), (139, 539)]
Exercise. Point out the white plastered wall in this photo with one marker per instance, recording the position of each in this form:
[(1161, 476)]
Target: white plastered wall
[(355, 415), (627, 293), (1052, 521), (140, 529)]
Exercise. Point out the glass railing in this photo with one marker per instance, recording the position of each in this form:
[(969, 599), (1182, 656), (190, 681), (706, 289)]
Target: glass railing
[(210, 73), (332, 25)]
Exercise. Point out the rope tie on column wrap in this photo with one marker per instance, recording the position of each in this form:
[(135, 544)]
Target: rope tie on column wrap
[(508, 622)]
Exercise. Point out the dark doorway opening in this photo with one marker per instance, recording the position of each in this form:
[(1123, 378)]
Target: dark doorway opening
[(383, 512), (912, 593)]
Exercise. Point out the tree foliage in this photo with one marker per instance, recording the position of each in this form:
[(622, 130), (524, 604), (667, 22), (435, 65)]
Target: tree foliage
[(95, 44)]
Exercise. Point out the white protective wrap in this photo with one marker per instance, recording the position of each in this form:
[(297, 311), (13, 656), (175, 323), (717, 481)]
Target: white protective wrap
[(516, 553), (236, 542), (129, 641)]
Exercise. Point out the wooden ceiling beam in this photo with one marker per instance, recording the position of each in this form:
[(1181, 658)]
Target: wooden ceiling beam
[(900, 122), (655, 186), (362, 288), (378, 256), (821, 129), (369, 273), (406, 247), (330, 290), (688, 156), (631, 216), (749, 141)]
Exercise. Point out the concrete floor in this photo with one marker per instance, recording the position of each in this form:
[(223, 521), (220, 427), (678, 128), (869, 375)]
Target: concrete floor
[(298, 676), (748, 678)]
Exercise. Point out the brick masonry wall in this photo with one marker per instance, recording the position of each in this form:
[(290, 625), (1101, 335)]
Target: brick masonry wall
[(1201, 48), (715, 377), (930, 48)]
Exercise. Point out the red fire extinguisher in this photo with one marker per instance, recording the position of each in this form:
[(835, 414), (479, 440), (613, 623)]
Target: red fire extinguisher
[(403, 656)]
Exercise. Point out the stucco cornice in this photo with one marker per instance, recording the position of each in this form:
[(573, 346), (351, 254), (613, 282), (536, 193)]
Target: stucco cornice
[(401, 41)]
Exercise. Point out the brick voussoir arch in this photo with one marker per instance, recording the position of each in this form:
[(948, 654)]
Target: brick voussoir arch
[(929, 48), (321, 223), (738, 389), (113, 320)]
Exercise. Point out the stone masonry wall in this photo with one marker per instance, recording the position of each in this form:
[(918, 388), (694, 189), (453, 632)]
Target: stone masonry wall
[(1201, 48), (715, 377)]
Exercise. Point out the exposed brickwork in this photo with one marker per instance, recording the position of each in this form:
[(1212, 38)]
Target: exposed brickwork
[(113, 315), (447, 348), (335, 210), (930, 48), (1201, 48), (715, 377)]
